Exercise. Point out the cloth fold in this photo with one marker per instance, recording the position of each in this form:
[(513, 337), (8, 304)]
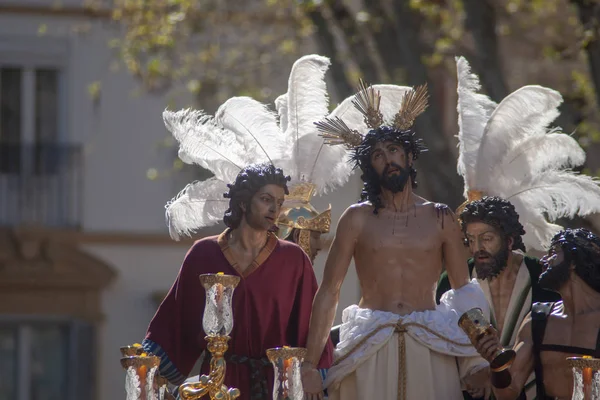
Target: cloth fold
[(364, 332)]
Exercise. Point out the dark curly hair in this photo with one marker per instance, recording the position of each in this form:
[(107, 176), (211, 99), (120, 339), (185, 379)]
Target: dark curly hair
[(582, 248), (362, 159), (498, 213), (247, 183)]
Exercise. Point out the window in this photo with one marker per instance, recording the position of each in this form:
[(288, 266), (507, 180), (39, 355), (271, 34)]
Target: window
[(30, 111), (45, 360), (40, 172)]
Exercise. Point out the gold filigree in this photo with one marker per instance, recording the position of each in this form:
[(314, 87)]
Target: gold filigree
[(140, 361), (302, 192), (208, 280), (320, 223), (132, 350), (304, 241), (211, 384), (414, 103), (286, 353), (334, 131), (475, 325), (368, 101), (582, 362)]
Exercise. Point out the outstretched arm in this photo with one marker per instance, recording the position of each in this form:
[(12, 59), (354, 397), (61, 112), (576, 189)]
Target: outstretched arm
[(454, 252), (327, 297)]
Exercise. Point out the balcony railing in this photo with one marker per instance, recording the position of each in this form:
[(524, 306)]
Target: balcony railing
[(41, 184)]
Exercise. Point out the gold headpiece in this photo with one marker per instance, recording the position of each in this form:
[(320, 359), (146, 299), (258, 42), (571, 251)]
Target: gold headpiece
[(298, 213), (301, 192), (367, 101)]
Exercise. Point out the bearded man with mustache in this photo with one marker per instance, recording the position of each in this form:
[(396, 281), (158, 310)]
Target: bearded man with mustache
[(554, 331), (507, 276), (399, 242)]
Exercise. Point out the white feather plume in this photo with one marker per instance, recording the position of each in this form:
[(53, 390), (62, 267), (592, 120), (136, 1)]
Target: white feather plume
[(526, 112), (553, 194), (520, 159), (536, 155), (255, 127), (306, 102), (282, 111), (474, 111), (205, 143), (199, 204), (244, 131)]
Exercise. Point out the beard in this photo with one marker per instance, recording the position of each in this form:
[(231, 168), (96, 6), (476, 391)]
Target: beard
[(553, 278), (492, 268), (394, 183)]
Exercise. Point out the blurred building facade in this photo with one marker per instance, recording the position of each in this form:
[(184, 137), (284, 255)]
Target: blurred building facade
[(85, 256)]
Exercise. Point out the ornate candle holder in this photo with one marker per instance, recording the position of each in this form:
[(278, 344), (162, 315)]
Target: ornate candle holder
[(475, 325), (160, 382), (217, 323), (586, 378), (288, 380), (140, 381)]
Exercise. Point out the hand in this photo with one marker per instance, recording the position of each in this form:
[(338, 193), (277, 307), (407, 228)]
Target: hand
[(478, 384), (477, 393), (311, 382), (486, 345)]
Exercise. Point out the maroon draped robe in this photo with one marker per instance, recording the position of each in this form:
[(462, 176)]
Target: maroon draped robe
[(271, 308)]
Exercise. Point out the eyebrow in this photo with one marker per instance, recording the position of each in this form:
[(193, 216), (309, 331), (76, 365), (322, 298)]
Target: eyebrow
[(271, 196), (482, 233)]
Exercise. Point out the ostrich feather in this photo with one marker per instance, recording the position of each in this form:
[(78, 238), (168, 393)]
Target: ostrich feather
[(553, 195), (474, 111), (202, 141), (526, 112), (536, 155), (255, 128), (307, 102), (282, 111), (199, 204)]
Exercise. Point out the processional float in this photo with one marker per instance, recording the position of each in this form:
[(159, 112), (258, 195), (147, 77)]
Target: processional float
[(143, 382)]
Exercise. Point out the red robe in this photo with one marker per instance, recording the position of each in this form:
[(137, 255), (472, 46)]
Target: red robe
[(271, 308)]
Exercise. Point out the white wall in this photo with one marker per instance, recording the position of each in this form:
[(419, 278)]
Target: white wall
[(128, 305)]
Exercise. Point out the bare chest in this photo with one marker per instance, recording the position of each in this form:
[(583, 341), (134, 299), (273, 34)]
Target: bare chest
[(400, 232), (501, 293), (580, 333)]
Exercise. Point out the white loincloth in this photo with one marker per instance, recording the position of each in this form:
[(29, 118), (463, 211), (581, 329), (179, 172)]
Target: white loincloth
[(367, 365)]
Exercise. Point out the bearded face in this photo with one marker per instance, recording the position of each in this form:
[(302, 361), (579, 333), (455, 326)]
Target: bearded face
[(489, 247), (394, 178), (390, 162), (556, 269)]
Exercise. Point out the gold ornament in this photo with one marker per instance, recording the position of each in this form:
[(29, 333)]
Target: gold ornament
[(218, 287), (298, 213), (212, 384), (367, 100)]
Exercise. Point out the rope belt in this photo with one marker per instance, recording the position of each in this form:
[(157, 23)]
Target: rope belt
[(399, 328)]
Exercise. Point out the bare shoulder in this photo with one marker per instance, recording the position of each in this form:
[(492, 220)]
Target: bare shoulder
[(445, 217), (358, 212)]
